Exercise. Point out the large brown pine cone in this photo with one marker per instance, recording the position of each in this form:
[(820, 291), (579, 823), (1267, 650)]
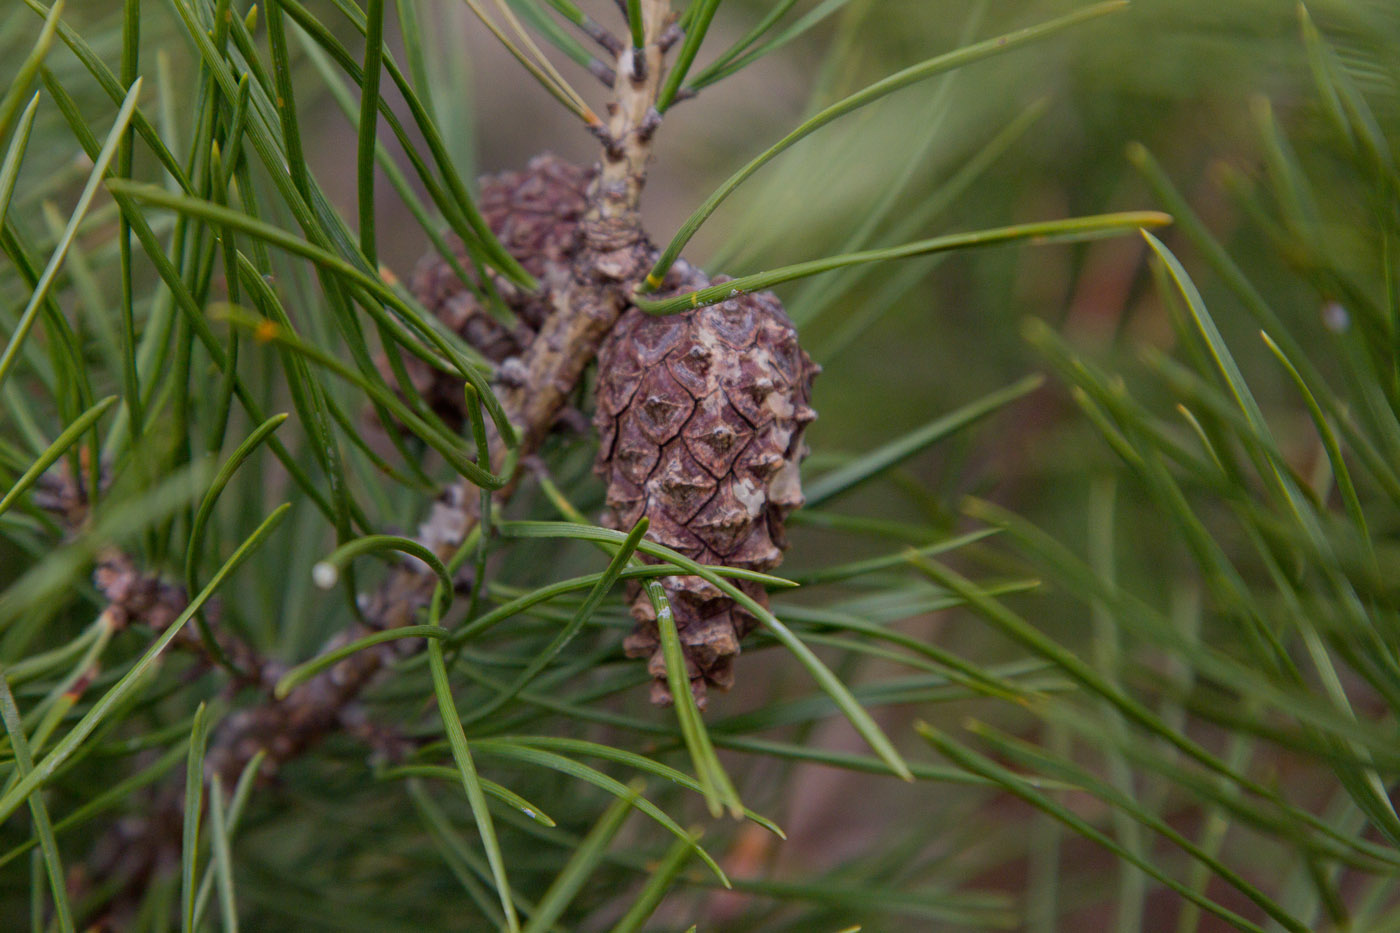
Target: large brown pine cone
[(701, 417), (535, 213)]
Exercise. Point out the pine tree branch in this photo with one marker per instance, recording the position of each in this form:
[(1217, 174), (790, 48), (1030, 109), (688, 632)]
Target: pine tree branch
[(586, 299), (613, 257)]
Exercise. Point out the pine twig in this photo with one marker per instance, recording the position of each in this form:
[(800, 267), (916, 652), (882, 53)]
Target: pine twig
[(613, 258)]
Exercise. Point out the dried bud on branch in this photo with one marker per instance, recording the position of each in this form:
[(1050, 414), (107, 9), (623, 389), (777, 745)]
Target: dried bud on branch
[(134, 596)]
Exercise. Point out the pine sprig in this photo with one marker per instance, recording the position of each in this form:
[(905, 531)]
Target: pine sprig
[(1190, 626)]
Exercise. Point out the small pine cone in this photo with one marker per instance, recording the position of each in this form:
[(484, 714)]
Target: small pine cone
[(535, 214), (701, 418)]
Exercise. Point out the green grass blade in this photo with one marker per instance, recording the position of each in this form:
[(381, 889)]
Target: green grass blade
[(715, 785), (676, 560), (859, 568), (14, 155), (570, 97), (539, 66), (770, 19), (581, 864), (662, 877), (466, 770), (345, 100), (635, 25), (43, 828), (411, 35), (695, 32), (223, 857), (1130, 612), (731, 62), (865, 764), (1022, 631), (304, 672), (286, 100), (36, 893), (868, 95), (1350, 500), (306, 396), (1210, 333), (1271, 463), (46, 663), (552, 590), (117, 91), (978, 679), (921, 145), (461, 754), (1073, 230), (241, 791), (369, 125), (1122, 799), (319, 221), (50, 456), (455, 852), (46, 280), (503, 794), (452, 450), (131, 386), (818, 297), (194, 809), (530, 12), (28, 69), (1106, 654), (1257, 306), (49, 584), (1320, 63), (1215, 254), (195, 550)]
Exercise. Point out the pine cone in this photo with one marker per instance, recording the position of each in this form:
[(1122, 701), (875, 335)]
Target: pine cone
[(701, 418), (535, 214)]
